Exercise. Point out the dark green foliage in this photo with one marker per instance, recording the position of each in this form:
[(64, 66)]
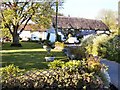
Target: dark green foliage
[(16, 45), (58, 38)]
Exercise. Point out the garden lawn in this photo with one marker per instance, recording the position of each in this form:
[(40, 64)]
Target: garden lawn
[(30, 56), (25, 45)]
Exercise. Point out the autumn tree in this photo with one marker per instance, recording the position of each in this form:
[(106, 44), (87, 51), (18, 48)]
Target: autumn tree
[(15, 14), (109, 17), (4, 32), (43, 15), (42, 21)]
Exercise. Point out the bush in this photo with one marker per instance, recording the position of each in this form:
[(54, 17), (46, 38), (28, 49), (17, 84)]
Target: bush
[(88, 43), (73, 74), (56, 64), (92, 43), (9, 72), (90, 65), (111, 49), (78, 52), (103, 46)]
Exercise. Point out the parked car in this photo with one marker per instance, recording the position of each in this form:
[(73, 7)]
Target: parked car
[(72, 40)]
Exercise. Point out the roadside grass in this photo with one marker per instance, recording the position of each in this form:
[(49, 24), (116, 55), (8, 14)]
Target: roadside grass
[(28, 57)]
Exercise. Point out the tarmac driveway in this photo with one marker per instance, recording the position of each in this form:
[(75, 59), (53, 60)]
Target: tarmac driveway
[(113, 72)]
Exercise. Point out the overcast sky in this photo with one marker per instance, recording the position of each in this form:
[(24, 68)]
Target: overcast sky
[(87, 8)]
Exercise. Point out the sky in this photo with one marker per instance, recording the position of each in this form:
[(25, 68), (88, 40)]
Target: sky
[(87, 8)]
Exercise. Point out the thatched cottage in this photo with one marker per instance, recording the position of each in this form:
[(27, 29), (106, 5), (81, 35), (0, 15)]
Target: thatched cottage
[(85, 26), (66, 25)]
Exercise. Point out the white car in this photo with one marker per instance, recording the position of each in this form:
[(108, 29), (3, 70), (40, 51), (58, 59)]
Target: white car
[(72, 40)]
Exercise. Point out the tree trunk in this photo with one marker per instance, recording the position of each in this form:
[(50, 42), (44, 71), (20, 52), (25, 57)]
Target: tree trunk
[(15, 43)]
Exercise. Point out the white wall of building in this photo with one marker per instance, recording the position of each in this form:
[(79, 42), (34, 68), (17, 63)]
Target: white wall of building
[(25, 35), (35, 36)]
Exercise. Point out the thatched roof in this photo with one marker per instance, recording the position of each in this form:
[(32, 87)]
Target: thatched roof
[(79, 23), (32, 27)]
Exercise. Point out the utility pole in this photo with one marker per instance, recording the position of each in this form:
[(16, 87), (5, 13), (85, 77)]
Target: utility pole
[(57, 4), (56, 28)]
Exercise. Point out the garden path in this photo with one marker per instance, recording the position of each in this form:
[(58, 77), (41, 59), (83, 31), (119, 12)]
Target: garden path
[(113, 72)]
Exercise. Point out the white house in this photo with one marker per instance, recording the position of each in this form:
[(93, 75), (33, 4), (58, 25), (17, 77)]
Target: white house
[(25, 35), (35, 35), (53, 35), (66, 25)]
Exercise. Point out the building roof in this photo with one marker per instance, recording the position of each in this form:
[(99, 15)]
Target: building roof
[(79, 23), (32, 27), (71, 23)]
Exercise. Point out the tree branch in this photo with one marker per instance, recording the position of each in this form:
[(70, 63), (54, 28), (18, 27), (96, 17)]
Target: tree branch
[(23, 16), (23, 7), (8, 4), (25, 24), (6, 25), (28, 19)]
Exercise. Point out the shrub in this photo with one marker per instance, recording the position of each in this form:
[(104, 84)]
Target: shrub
[(9, 72), (76, 53), (92, 43), (56, 64), (73, 75), (103, 46), (88, 43), (72, 63), (110, 49)]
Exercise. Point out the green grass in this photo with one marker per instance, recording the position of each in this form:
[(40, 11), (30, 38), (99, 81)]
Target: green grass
[(25, 45), (30, 56)]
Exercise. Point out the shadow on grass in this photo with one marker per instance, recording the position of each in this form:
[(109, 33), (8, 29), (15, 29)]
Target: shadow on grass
[(25, 45), (28, 60)]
